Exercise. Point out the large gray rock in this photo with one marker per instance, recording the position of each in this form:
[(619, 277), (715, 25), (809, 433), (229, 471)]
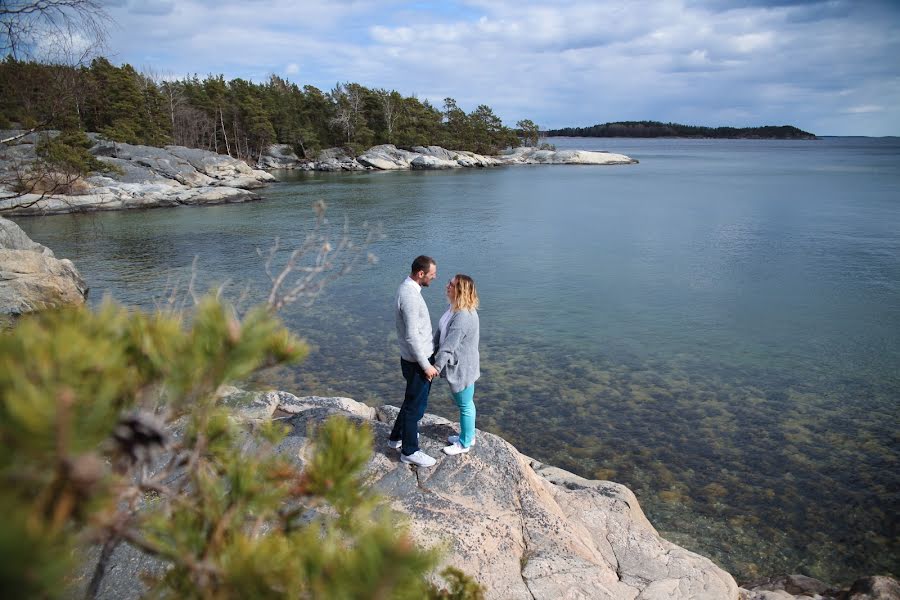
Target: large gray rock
[(800, 587), (430, 163), (470, 159), (337, 159), (335, 165), (524, 530), (435, 151), (13, 238), (280, 156), (134, 172), (462, 158), (338, 154), (145, 177), (160, 161), (527, 155), (31, 277), (387, 157), (874, 588)]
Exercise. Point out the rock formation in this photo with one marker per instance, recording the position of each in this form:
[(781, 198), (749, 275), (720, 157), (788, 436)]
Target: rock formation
[(279, 156), (148, 177), (535, 156), (31, 277), (388, 157), (800, 587), (521, 528)]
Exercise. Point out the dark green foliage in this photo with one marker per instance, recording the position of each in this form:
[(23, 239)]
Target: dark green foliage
[(236, 117), (653, 129), (121, 105), (528, 132), (69, 152), (480, 131), (38, 95), (62, 161), (229, 519)]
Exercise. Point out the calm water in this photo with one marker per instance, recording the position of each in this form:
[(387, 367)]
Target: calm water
[(716, 327)]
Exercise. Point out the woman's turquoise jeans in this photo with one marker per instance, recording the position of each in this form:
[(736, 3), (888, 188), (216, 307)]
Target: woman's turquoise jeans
[(465, 400)]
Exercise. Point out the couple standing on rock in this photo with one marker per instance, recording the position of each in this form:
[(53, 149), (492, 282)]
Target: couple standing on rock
[(451, 352)]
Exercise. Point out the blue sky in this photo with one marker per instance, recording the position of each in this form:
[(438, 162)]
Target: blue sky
[(830, 67)]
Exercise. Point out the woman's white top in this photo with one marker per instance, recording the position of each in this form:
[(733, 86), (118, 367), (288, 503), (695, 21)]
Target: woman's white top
[(443, 324)]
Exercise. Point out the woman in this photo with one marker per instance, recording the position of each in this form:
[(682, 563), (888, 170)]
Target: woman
[(457, 358)]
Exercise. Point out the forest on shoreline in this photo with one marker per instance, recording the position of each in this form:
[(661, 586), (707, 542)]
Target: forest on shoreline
[(654, 129), (239, 117)]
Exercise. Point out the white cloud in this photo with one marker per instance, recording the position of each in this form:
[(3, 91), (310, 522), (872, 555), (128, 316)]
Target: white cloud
[(569, 62), (865, 108)]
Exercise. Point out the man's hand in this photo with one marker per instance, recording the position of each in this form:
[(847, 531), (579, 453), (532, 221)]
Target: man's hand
[(431, 373)]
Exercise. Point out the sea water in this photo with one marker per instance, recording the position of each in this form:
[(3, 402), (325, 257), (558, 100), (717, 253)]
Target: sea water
[(716, 327)]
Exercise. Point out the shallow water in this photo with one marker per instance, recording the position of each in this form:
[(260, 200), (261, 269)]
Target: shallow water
[(715, 327)]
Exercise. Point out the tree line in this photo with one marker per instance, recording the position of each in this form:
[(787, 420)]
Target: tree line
[(239, 117), (654, 129)]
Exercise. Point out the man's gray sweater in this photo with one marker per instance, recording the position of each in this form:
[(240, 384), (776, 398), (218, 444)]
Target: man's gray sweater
[(413, 324)]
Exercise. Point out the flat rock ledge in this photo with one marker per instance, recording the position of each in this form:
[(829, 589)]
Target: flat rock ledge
[(536, 156), (388, 157), (31, 277), (149, 178), (523, 529)]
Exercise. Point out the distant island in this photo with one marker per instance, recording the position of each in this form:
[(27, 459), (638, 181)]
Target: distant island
[(654, 129)]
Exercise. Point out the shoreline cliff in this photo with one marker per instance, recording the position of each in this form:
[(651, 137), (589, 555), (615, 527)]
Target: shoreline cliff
[(150, 177)]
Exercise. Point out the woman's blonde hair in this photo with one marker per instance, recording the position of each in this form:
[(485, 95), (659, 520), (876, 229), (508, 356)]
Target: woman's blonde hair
[(466, 295)]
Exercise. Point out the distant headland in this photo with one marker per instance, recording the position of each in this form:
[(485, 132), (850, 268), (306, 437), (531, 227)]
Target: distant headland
[(655, 129)]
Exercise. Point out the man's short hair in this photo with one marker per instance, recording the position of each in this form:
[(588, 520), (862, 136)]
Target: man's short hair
[(422, 263)]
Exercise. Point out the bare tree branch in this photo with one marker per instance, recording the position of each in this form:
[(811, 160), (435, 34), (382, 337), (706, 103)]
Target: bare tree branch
[(316, 262), (27, 24), (24, 133)]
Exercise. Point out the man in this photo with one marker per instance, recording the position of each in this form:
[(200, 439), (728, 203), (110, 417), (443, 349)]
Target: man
[(416, 350)]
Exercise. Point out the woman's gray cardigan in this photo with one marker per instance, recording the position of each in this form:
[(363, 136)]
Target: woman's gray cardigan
[(457, 358)]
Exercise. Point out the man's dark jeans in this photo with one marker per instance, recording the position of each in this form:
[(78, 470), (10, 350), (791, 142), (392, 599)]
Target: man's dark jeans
[(415, 401)]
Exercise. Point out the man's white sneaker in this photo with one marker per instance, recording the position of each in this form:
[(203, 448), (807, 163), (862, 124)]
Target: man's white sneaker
[(397, 444), (455, 448), (418, 458), (454, 439)]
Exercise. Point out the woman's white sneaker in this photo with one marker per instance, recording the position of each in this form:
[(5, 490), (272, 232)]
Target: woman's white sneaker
[(418, 458), (454, 439), (455, 448)]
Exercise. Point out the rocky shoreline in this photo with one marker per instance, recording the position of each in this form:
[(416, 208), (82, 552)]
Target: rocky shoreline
[(31, 277), (388, 157), (150, 177), (147, 177), (523, 529)]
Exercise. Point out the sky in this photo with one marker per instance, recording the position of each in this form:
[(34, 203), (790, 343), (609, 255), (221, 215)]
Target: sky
[(829, 67)]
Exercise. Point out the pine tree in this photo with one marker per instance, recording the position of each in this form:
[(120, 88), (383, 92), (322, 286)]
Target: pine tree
[(88, 402)]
